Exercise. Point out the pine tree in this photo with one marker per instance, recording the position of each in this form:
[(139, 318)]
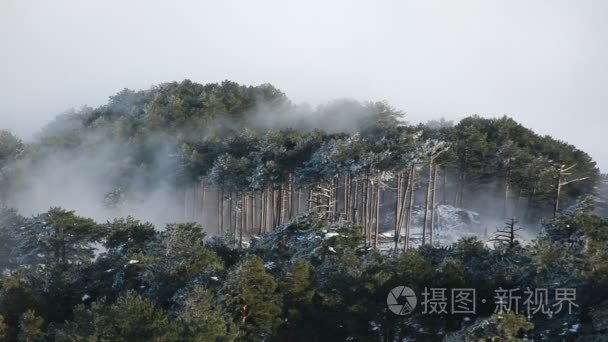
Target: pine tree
[(58, 236), (16, 299), (252, 298), (202, 319), (31, 327), (130, 318)]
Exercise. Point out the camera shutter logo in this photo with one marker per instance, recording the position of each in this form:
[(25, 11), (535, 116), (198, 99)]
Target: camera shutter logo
[(401, 300)]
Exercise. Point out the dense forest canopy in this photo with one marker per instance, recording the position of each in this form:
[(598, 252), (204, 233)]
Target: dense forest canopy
[(236, 181), (247, 138)]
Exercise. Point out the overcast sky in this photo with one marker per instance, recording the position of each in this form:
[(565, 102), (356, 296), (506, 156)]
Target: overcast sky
[(544, 63)]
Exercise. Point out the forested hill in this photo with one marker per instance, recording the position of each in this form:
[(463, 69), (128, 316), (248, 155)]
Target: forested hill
[(246, 139), (223, 212)]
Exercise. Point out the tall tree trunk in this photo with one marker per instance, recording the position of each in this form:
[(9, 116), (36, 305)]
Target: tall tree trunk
[(356, 211), (444, 185), (410, 207), (243, 218), (404, 201), (330, 205), (403, 191), (377, 230), (505, 209), (365, 209), (290, 198), (558, 188), (274, 209), (221, 209), (203, 188), (397, 211), (299, 203), (281, 204), (433, 206), (310, 198), (427, 203), (347, 198), (230, 211), (262, 210), (248, 217)]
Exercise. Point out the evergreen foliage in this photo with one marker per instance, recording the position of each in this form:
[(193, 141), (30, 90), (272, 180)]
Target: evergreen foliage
[(297, 214)]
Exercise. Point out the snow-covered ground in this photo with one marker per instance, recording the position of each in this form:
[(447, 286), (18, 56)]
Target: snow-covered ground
[(451, 224)]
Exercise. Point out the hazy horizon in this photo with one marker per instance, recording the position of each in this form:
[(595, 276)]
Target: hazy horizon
[(544, 64)]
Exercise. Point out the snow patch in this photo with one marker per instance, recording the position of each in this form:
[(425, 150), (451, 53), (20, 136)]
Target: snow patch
[(330, 234)]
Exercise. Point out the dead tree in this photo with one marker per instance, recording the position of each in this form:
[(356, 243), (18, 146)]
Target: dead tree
[(560, 182), (507, 236)]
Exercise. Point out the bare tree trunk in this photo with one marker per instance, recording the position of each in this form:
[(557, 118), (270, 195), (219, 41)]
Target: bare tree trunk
[(263, 210), (377, 216), (410, 207), (299, 203), (280, 204), (330, 205), (243, 218), (194, 204), (558, 188), (248, 212), (185, 194), (290, 197), (346, 198), (356, 211), (221, 209), (365, 211), (402, 193), (310, 198), (370, 218), (397, 211), (505, 206), (404, 201), (274, 209), (283, 204), (337, 199), (427, 203), (230, 211), (563, 171), (252, 211), (444, 185), (203, 188), (433, 206)]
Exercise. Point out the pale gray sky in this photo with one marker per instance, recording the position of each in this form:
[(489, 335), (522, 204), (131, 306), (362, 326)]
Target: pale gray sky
[(545, 63)]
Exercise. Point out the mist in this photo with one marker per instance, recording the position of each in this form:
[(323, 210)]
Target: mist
[(91, 175)]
